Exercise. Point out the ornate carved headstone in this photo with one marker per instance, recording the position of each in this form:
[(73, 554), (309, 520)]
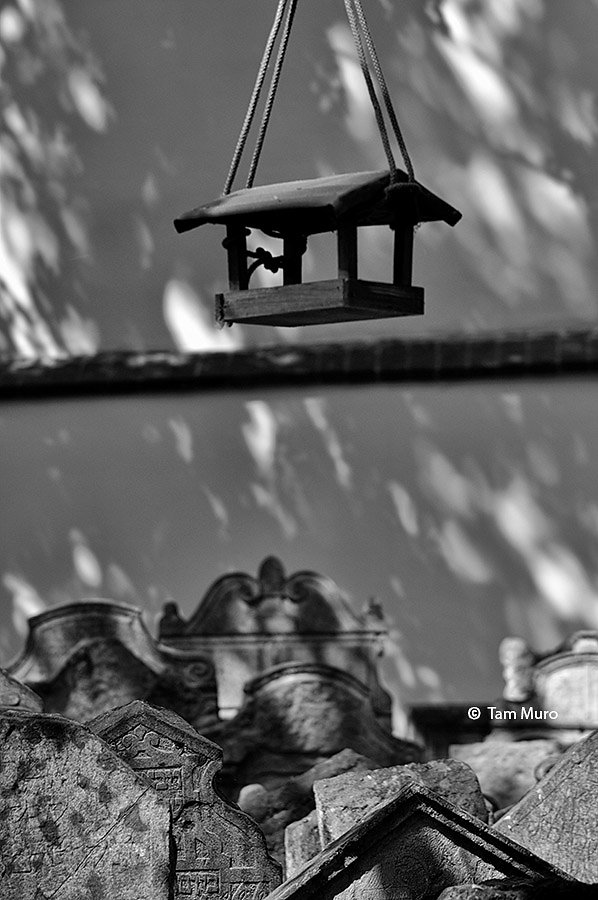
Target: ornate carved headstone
[(297, 715), (506, 770), (75, 820), (346, 799), (220, 851), (247, 625), (557, 818), (410, 848), (15, 695), (553, 694), (86, 658)]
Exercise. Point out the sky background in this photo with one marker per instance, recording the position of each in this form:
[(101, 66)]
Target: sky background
[(470, 511)]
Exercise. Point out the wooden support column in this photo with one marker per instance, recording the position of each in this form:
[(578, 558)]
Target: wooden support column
[(347, 251), (403, 255), (293, 249), (236, 251)]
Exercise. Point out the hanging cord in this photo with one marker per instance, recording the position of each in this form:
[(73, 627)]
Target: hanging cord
[(370, 86), (259, 82), (384, 89), (282, 49), (357, 20)]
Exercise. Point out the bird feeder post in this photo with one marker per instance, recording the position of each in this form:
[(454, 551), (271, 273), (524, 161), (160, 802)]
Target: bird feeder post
[(294, 246), (402, 263), (347, 251), (236, 252)]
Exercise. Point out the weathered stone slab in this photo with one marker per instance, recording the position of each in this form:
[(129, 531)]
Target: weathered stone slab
[(343, 801), (75, 820), (274, 810), (506, 769), (220, 850), (301, 843), (411, 848), (297, 715), (557, 818), (521, 889), (15, 695), (482, 892), (86, 658)]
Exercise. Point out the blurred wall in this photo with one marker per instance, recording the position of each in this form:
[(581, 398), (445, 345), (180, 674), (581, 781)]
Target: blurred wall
[(119, 116), (469, 510)]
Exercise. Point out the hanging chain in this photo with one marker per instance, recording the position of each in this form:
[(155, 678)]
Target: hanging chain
[(357, 21)]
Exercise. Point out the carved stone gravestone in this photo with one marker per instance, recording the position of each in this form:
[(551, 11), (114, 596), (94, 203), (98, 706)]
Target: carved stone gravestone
[(506, 770), (410, 848), (557, 819), (15, 695), (75, 820), (343, 801), (247, 625), (299, 714), (85, 658), (553, 694), (220, 851)]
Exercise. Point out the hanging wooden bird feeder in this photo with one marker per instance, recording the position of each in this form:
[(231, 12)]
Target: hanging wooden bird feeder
[(295, 210)]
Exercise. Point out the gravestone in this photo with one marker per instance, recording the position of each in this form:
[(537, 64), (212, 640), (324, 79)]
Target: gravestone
[(220, 850), (522, 889), (410, 848), (274, 810), (346, 799), (506, 770), (85, 658), (550, 695), (297, 715), (301, 843), (557, 818), (15, 695), (75, 820), (249, 624)]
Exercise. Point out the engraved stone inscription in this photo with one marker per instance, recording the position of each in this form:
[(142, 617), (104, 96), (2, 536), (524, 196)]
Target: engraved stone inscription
[(557, 818), (75, 820), (220, 851)]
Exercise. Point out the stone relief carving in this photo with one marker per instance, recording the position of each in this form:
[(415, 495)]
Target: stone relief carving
[(219, 849), (89, 657), (75, 821), (248, 624)]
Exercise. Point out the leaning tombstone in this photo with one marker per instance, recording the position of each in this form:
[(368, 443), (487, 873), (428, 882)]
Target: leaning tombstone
[(76, 821), (275, 810), (506, 770), (410, 848), (220, 850), (345, 799), (557, 818)]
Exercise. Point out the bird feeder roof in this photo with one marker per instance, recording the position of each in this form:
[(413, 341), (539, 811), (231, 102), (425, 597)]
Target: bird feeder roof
[(323, 204)]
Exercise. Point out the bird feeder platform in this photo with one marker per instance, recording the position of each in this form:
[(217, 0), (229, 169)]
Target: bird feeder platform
[(293, 211)]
